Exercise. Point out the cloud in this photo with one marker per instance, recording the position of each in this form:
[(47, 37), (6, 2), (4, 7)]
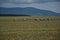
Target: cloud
[(26, 1), (21, 1), (16, 1), (52, 6)]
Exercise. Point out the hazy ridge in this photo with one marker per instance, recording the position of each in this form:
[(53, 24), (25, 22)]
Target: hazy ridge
[(28, 11)]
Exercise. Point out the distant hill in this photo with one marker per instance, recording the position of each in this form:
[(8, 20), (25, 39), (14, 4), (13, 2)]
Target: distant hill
[(28, 11)]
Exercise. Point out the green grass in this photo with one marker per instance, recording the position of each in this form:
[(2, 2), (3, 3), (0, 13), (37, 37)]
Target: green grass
[(16, 28)]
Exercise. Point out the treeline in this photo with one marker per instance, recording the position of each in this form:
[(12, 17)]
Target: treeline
[(13, 15)]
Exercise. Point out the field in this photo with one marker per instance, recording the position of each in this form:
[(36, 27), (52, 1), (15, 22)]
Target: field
[(29, 28)]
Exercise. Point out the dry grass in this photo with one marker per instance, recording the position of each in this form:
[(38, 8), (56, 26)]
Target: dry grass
[(29, 28)]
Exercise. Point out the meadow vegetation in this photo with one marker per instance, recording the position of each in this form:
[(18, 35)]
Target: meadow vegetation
[(29, 28)]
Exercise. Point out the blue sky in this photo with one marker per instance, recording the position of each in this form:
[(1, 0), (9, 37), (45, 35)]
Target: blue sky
[(52, 5)]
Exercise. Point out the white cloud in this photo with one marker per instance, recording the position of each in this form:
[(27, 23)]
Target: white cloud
[(52, 6)]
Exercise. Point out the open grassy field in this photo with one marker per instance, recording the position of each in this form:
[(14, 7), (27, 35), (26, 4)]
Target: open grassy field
[(29, 28)]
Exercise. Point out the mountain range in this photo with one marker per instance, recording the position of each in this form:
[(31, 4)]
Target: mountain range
[(27, 11)]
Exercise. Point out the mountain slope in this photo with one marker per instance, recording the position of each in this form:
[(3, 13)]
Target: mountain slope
[(27, 11)]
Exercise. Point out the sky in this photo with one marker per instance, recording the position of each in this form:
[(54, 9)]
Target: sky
[(52, 5)]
